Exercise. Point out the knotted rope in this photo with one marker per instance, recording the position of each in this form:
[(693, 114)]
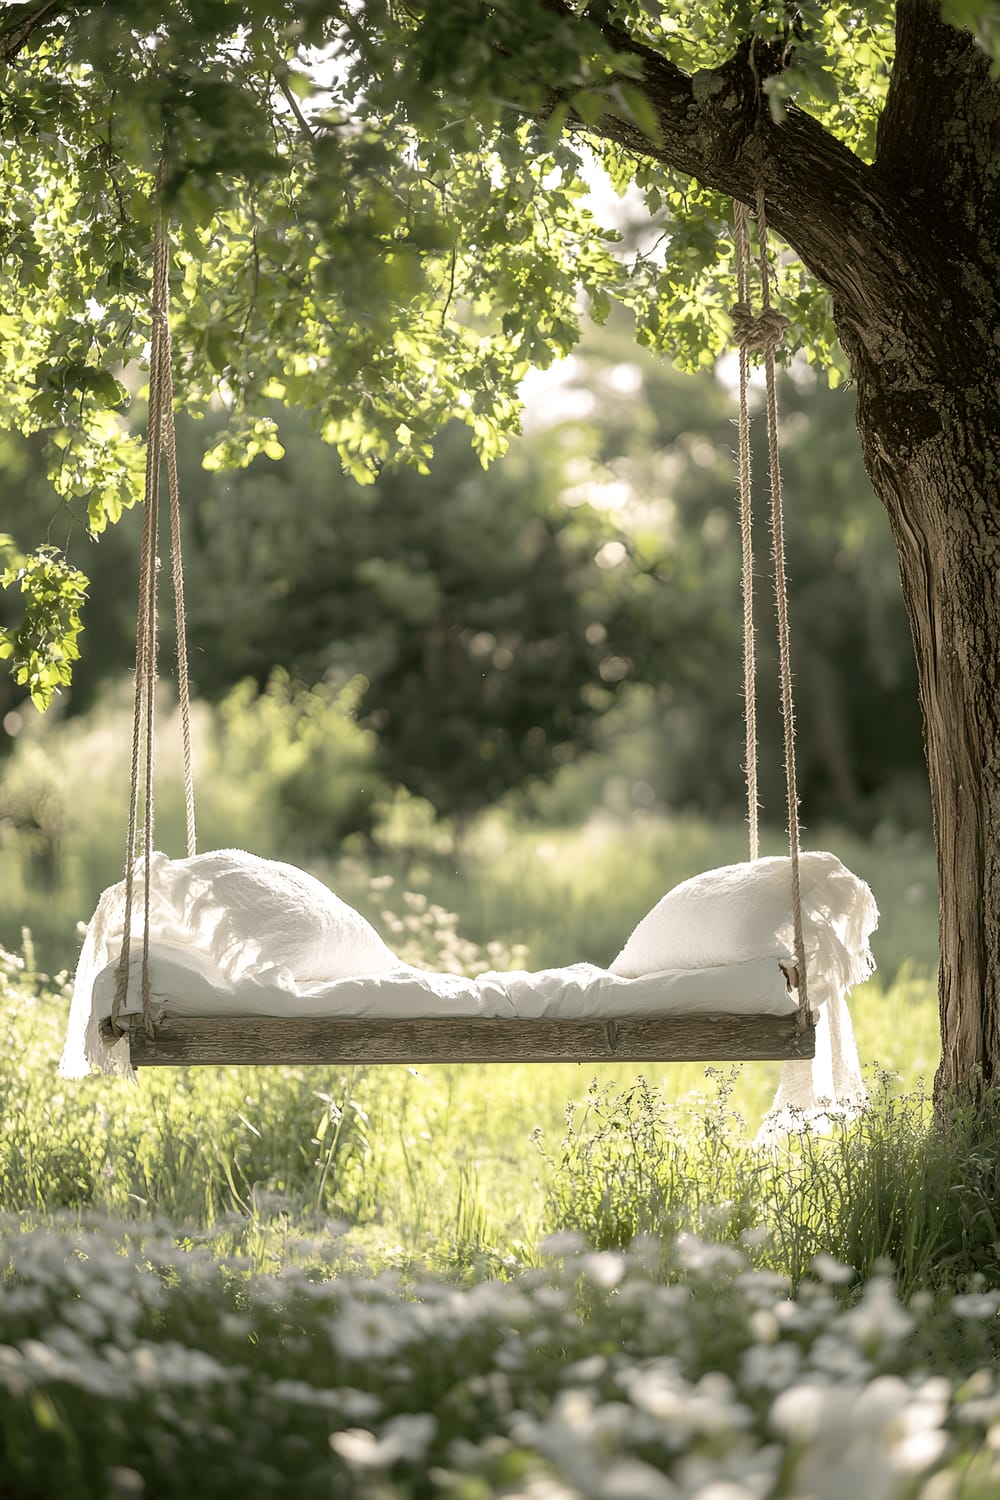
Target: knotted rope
[(161, 446), (764, 331)]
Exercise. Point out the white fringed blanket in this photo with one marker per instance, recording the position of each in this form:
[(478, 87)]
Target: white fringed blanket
[(233, 934)]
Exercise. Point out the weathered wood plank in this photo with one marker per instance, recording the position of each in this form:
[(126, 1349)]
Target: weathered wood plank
[(259, 1040)]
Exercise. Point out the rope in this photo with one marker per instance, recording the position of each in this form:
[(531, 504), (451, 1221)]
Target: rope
[(160, 446), (742, 241), (180, 613), (764, 331)]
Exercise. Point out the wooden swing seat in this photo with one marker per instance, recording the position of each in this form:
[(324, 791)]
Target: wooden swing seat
[(255, 1041)]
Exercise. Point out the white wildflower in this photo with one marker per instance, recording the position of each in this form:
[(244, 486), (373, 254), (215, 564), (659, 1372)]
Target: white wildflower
[(975, 1305), (87, 1319), (584, 1371), (614, 1422), (408, 1436), (981, 1406), (171, 1364), (706, 1259), (19, 1301), (106, 1299), (797, 1316), (359, 1406), (770, 1367), (302, 1393), (551, 1298), (762, 1288), (495, 1301), (832, 1355), (662, 1309), (563, 1243), (946, 1484), (765, 1326), (512, 1355), (14, 1378), (357, 1447), (125, 1483), (574, 1409), (631, 1479), (363, 1331), (755, 1235), (564, 1436), (916, 1429), (834, 1272), (799, 1413), (44, 1364), (722, 1489), (879, 1318), (544, 1487), (605, 1268), (752, 1470), (862, 1439), (707, 1407)]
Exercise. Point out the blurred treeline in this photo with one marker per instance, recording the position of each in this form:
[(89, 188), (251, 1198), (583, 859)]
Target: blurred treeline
[(571, 615)]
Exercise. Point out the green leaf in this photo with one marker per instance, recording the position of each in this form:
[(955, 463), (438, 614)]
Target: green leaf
[(44, 645), (637, 107)]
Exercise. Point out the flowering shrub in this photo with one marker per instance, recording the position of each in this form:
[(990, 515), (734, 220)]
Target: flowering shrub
[(128, 1368), (426, 934)]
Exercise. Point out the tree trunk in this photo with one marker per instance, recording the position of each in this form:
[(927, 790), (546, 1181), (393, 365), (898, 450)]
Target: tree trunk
[(926, 359), (909, 249), (940, 490)]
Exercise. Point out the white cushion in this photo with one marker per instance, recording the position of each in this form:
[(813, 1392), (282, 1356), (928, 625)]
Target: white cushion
[(253, 915), (743, 912)]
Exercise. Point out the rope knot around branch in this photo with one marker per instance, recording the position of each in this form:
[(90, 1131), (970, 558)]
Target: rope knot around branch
[(764, 330)]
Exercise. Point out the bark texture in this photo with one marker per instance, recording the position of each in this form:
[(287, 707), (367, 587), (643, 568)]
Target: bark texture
[(909, 248)]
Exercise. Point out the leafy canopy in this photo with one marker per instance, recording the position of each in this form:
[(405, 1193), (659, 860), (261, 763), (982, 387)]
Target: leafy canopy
[(380, 215)]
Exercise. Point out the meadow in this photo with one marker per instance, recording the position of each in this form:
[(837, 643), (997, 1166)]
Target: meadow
[(474, 1282), (546, 1282)]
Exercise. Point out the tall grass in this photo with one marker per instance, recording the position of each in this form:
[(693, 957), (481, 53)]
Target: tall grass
[(895, 1186)]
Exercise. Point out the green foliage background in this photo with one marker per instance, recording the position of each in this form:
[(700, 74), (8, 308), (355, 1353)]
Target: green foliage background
[(492, 627)]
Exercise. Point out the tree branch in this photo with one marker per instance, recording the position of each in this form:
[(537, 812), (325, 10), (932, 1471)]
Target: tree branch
[(25, 21), (852, 228), (293, 105)]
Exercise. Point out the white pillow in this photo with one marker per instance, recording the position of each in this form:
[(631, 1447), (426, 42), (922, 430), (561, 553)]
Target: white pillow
[(254, 915), (744, 912), (249, 917)]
